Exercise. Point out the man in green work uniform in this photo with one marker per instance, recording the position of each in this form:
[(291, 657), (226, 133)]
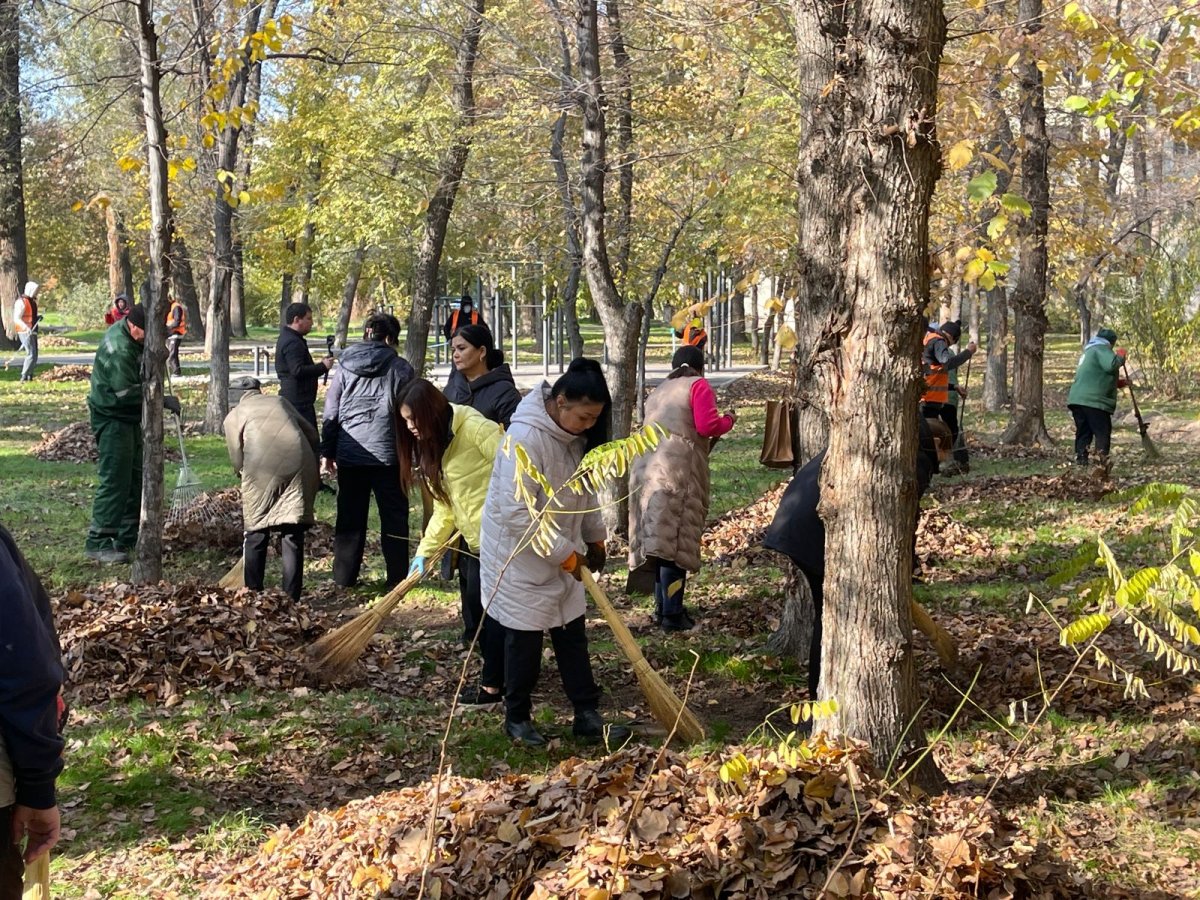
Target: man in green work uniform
[(1093, 396), (115, 405)]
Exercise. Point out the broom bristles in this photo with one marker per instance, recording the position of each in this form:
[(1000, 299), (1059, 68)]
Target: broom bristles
[(944, 644), (335, 653), (235, 578), (667, 709)]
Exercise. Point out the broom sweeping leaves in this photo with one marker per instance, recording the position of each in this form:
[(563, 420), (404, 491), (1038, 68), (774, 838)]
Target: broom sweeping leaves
[(336, 652)]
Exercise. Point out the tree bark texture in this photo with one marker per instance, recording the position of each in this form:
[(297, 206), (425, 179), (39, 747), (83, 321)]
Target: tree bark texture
[(220, 288), (869, 490), (623, 83), (566, 194), (441, 203), (147, 563), (120, 269), (1027, 424), (14, 261), (183, 282), (995, 382), (349, 292), (794, 634), (622, 322)]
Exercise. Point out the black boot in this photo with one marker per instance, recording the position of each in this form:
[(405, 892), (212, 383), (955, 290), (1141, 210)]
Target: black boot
[(589, 726), (678, 622), (524, 733)]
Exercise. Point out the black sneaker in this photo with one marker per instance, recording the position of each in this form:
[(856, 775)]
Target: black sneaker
[(524, 733), (589, 726), (476, 695)]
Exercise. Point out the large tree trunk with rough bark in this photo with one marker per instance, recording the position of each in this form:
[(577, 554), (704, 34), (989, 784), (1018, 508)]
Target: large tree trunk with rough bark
[(147, 563), (621, 321), (441, 202), (14, 262), (869, 490), (1028, 422), (120, 269), (995, 382)]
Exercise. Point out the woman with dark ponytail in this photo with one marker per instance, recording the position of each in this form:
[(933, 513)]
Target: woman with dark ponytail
[(479, 376), (450, 449), (669, 487), (529, 590)]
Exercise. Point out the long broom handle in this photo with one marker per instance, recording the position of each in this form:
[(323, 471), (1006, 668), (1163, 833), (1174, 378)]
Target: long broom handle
[(179, 432), (1137, 413), (620, 630)]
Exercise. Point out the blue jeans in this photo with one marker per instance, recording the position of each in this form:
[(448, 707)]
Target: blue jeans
[(29, 343)]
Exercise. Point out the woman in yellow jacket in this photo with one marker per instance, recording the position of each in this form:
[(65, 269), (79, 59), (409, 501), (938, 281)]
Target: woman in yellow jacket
[(451, 448)]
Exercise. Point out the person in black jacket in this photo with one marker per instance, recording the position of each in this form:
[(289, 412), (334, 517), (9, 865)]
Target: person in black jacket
[(298, 374), (480, 378), (798, 532), (31, 677), (466, 314), (358, 445)]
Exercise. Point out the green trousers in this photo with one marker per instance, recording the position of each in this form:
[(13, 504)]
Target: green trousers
[(118, 502)]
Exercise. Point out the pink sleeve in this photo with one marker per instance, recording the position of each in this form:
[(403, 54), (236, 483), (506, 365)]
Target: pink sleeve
[(709, 423)]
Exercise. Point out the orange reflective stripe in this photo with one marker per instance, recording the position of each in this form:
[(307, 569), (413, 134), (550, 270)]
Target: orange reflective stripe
[(937, 379), (693, 335), (27, 313)]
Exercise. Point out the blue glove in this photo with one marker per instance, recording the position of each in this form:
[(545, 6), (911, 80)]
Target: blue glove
[(418, 566)]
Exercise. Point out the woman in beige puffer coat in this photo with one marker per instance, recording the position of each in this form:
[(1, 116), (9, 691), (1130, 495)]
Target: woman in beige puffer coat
[(274, 449), (669, 486)]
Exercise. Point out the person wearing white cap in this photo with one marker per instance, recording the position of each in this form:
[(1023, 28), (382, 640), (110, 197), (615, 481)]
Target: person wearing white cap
[(25, 322)]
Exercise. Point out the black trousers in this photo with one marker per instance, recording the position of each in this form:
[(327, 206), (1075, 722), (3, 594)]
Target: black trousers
[(355, 486), (669, 584), (254, 555), (173, 342), (12, 868), (948, 413), (491, 637), (816, 584), (523, 665), (1091, 423)]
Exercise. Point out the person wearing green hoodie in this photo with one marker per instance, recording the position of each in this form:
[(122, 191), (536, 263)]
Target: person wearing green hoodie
[(115, 407), (1093, 395)]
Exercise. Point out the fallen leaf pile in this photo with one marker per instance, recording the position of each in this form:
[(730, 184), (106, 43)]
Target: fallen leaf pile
[(755, 388), (67, 373), (75, 443), (159, 641), (1012, 451), (58, 340), (212, 521), (1070, 484), (624, 826), (939, 535), (739, 533)]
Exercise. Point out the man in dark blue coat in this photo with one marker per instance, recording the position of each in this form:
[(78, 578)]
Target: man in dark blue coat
[(31, 676), (298, 374)]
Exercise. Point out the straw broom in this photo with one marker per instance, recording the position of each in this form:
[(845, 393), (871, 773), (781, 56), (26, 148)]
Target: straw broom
[(235, 578), (1143, 429), (37, 879), (664, 705), (334, 654)]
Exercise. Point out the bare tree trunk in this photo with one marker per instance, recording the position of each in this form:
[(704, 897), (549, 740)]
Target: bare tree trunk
[(622, 321), (306, 246), (571, 223), (752, 327), (623, 82), (120, 269), (1028, 422), (147, 562), (995, 383), (220, 288), (349, 292), (184, 283), (14, 261), (285, 284), (794, 634), (868, 486), (441, 203)]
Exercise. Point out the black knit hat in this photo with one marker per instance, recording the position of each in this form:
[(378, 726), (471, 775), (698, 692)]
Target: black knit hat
[(137, 315), (952, 330)]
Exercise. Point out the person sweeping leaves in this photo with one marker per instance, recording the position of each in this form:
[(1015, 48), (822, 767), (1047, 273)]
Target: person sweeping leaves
[(1093, 396), (530, 590), (451, 448)]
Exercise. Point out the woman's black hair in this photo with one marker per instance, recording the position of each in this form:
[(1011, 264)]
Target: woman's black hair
[(423, 457), (382, 327), (480, 335), (687, 358), (584, 380)]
